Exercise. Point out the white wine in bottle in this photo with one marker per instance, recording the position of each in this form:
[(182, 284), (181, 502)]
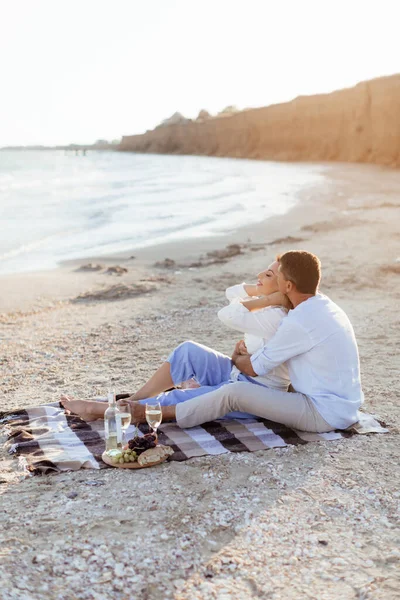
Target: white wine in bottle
[(125, 419), (112, 425)]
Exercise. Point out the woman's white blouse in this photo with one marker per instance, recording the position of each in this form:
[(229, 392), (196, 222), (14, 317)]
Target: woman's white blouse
[(259, 327)]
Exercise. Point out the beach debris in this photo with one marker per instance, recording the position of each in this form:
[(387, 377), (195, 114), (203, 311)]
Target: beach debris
[(289, 239), (196, 265), (116, 270), (360, 205), (92, 267), (333, 225), (116, 292), (213, 257), (216, 256), (159, 278), (167, 263), (393, 269), (228, 252), (254, 247)]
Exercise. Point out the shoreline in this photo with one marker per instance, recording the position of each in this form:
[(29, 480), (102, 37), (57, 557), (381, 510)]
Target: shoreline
[(39, 284), (36, 290), (296, 216), (158, 207)]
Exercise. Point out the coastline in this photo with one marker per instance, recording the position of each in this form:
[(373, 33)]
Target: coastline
[(37, 290), (31, 290)]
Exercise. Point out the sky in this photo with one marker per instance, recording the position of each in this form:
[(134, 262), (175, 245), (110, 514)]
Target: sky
[(73, 71)]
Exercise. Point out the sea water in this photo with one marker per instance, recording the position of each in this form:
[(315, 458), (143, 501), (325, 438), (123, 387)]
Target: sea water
[(57, 206)]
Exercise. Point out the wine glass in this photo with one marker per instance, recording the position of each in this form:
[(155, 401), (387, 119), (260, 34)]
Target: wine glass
[(125, 417), (154, 416)]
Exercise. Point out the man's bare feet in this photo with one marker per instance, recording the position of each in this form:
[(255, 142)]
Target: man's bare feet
[(87, 410)]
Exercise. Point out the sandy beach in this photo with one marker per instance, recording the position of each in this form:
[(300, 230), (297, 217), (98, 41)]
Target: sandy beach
[(316, 521)]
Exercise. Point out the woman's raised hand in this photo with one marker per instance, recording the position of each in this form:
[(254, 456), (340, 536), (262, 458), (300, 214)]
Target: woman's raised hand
[(279, 299), (251, 289), (274, 299)]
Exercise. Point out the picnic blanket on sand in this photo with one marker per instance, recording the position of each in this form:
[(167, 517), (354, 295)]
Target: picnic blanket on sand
[(49, 440)]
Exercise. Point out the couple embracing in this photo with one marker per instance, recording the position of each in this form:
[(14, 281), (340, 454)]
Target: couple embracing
[(298, 364)]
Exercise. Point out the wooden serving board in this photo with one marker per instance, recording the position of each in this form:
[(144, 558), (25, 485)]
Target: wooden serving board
[(131, 465)]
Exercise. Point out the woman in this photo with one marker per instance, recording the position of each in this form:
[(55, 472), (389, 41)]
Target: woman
[(256, 310)]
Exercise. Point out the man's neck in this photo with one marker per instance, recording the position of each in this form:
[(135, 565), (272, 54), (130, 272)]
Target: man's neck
[(297, 298)]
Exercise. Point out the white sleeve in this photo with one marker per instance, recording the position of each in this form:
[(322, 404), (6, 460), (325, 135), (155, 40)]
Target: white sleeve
[(236, 292), (263, 323), (290, 340)]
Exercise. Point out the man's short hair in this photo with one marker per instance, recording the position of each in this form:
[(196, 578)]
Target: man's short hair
[(301, 268)]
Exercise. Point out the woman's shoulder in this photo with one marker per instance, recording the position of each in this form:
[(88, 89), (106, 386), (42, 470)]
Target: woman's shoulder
[(273, 315), (275, 312)]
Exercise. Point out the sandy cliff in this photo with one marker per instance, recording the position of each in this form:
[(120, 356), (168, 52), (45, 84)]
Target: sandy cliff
[(359, 124)]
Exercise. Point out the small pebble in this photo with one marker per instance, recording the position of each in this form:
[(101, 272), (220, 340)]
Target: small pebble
[(72, 495)]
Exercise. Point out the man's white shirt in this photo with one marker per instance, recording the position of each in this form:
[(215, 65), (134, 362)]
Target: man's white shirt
[(316, 341)]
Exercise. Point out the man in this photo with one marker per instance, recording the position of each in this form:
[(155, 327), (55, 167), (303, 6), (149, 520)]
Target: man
[(316, 341)]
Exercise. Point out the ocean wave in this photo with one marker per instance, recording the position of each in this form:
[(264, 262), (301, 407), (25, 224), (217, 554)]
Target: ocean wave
[(57, 207), (32, 246)]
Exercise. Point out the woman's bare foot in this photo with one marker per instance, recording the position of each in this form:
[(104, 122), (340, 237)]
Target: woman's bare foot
[(88, 410)]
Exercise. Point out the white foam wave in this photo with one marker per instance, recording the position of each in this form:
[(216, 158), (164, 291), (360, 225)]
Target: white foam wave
[(55, 207)]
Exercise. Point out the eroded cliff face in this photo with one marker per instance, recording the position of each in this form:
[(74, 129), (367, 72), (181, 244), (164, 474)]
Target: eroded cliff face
[(360, 124)]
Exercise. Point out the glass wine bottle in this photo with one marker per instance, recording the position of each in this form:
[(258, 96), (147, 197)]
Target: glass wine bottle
[(112, 424)]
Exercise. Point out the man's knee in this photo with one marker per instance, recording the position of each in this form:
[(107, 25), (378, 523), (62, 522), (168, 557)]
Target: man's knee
[(234, 392)]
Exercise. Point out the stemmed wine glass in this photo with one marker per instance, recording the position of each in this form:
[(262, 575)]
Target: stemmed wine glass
[(154, 416), (125, 417)]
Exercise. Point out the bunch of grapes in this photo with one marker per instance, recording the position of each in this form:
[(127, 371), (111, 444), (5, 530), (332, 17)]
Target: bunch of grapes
[(121, 456), (127, 456), (140, 444)]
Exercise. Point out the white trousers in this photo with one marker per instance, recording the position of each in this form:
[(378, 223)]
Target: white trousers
[(292, 409)]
